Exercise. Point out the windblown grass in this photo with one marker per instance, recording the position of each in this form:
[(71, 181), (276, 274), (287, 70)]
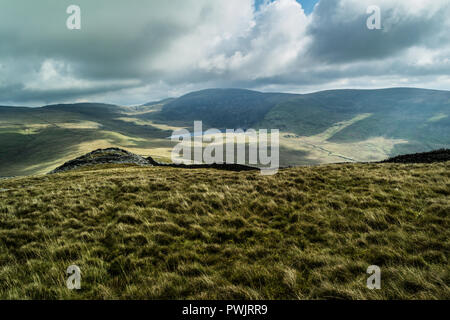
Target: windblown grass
[(163, 233)]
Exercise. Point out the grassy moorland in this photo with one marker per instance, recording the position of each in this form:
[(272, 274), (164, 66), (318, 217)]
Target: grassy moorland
[(163, 233)]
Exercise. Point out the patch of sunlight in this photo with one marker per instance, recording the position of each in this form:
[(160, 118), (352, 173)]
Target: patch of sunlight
[(373, 149), (143, 109), (141, 122), (87, 147), (331, 131), (35, 128), (321, 150), (162, 153), (121, 139), (79, 125), (44, 167), (28, 129)]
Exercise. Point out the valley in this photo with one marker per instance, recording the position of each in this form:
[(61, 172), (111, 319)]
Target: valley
[(323, 127)]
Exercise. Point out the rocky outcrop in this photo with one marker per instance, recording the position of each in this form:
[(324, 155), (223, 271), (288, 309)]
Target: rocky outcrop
[(120, 156), (103, 156)]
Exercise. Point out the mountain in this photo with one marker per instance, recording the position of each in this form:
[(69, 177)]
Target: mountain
[(400, 112), (418, 117), (388, 121), (222, 108), (323, 127)]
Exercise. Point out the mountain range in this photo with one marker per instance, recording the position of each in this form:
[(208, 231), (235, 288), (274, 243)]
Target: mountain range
[(323, 127)]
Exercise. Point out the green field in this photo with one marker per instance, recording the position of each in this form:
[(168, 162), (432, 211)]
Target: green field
[(165, 233)]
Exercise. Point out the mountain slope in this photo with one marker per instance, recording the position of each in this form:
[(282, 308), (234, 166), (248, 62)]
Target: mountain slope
[(323, 127), (419, 117), (389, 121), (37, 140), (222, 108)]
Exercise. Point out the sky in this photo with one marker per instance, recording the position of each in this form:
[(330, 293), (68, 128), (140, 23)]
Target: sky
[(307, 5), (135, 51)]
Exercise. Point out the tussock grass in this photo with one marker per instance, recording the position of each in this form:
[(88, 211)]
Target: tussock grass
[(166, 233)]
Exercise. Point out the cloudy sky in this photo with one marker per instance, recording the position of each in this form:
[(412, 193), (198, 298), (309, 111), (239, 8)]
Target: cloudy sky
[(135, 51)]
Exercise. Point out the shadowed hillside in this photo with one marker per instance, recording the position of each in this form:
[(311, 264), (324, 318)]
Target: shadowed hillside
[(222, 108), (442, 155)]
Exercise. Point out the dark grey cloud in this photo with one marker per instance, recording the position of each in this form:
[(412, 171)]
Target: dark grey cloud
[(341, 35), (129, 52)]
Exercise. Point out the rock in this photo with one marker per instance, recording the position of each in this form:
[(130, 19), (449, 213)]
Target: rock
[(120, 156), (104, 156)]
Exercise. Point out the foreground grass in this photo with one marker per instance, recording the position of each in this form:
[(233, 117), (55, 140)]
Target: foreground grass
[(163, 233)]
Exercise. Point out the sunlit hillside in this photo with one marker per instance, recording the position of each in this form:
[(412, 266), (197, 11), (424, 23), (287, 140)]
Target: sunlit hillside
[(324, 127)]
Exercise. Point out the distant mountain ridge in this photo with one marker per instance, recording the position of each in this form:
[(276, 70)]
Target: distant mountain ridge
[(223, 108), (420, 116), (322, 127)]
